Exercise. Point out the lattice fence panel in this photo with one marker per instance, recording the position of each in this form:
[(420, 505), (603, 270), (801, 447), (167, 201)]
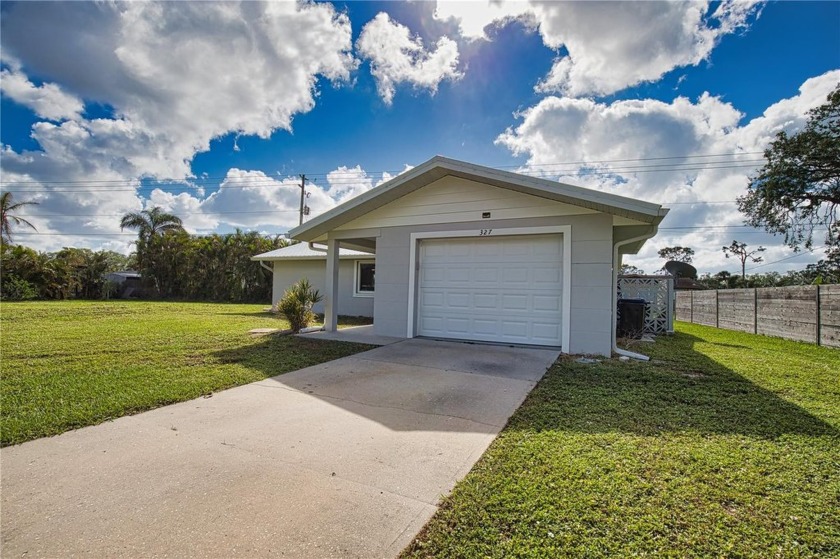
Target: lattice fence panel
[(658, 291)]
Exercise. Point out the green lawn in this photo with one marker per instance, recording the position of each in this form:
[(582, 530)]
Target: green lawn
[(65, 364), (724, 445)]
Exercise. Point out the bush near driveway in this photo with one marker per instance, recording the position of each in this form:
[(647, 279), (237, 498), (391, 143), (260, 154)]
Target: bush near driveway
[(68, 364), (724, 445)]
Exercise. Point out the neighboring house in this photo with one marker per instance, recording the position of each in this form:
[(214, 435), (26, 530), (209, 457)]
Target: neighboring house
[(468, 252), (356, 275), (126, 283)]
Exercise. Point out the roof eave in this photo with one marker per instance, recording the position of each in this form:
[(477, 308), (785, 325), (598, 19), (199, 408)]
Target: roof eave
[(438, 167)]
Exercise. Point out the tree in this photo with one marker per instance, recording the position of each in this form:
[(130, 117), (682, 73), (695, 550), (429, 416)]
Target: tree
[(678, 253), (826, 270), (798, 189), (150, 224), (740, 251), (7, 209)]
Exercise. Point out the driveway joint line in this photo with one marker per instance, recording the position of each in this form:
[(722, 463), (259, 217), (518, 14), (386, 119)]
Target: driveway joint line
[(407, 526)]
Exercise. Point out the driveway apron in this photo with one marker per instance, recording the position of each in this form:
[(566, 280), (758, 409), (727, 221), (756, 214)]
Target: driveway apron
[(344, 459)]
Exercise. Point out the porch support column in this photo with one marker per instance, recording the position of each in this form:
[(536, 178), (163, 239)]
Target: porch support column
[(331, 287)]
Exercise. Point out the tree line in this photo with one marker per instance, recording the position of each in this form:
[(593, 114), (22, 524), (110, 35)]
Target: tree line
[(173, 264), (795, 194), (827, 270)]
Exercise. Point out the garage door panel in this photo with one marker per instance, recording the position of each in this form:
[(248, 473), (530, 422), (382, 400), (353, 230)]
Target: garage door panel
[(547, 277), (543, 303), (431, 299), (459, 300), (516, 303), (505, 289), (432, 274), (486, 274), (486, 301), (460, 274), (515, 329), (433, 325), (489, 249), (546, 330), (457, 326), (486, 327)]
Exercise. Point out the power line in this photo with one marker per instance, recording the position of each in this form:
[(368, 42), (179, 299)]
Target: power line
[(346, 182), (268, 211), (336, 173), (811, 253), (134, 235), (725, 227)]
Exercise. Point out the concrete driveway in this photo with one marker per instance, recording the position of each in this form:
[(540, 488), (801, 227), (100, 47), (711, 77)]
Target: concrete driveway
[(344, 459)]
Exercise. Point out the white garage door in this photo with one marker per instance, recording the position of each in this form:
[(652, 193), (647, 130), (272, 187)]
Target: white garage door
[(495, 289)]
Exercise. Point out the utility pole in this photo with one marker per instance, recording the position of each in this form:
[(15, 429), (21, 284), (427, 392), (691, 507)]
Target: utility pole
[(302, 196)]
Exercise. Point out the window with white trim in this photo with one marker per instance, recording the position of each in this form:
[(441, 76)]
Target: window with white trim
[(365, 282)]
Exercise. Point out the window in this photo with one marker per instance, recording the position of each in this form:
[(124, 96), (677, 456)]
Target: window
[(365, 279)]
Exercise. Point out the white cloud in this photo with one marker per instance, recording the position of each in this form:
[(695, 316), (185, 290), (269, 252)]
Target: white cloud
[(473, 17), (47, 100), (610, 45), (396, 57), (348, 182), (252, 199), (596, 136), (175, 74)]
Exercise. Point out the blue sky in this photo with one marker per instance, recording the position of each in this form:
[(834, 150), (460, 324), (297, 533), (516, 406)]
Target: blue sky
[(113, 108)]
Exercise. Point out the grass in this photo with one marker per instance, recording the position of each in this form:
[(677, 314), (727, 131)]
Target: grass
[(70, 364), (724, 445)]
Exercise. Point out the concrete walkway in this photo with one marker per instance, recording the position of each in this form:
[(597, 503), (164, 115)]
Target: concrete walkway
[(344, 459), (358, 334)]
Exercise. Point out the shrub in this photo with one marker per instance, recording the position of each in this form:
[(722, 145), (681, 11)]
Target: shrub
[(296, 304), (17, 289)]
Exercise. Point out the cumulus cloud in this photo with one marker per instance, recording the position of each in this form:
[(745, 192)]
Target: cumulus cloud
[(251, 199), (694, 156), (47, 100), (610, 45), (174, 74), (396, 57)]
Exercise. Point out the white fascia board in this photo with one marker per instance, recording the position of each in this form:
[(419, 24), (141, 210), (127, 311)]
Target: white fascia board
[(388, 192), (292, 258)]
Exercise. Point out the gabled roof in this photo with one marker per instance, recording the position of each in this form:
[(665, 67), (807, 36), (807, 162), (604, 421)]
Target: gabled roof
[(439, 167), (301, 251)]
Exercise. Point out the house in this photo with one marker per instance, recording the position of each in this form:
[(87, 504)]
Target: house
[(466, 252), (124, 283), (356, 275)]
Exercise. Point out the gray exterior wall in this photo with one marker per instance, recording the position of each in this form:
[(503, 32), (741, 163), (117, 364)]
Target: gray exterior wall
[(591, 276), (287, 272)]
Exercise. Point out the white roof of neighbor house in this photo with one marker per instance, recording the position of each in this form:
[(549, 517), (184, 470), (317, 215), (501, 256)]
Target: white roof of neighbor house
[(439, 167), (125, 274), (301, 251)]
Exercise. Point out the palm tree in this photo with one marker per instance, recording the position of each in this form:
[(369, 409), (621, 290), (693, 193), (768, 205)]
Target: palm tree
[(150, 223), (7, 208)]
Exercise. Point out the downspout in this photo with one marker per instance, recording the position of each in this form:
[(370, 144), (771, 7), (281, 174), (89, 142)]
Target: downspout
[(316, 249), (266, 266), (615, 348)]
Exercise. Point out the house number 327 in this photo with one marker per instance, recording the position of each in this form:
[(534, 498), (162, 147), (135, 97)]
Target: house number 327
[(485, 232)]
